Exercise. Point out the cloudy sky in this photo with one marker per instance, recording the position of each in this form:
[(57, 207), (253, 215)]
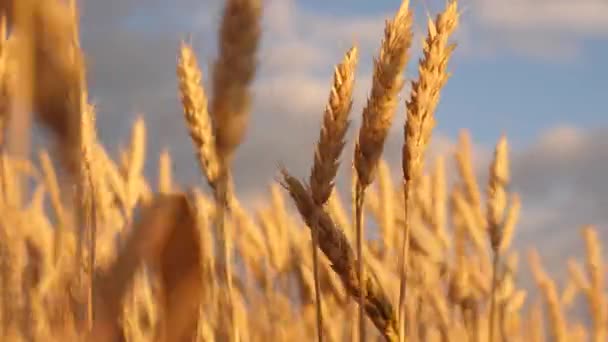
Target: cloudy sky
[(532, 69)]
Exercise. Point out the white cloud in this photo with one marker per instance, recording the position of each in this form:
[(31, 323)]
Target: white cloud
[(580, 17), (542, 29)]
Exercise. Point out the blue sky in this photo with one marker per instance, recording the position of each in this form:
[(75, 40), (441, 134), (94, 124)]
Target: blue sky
[(499, 84), (533, 69), (512, 91)]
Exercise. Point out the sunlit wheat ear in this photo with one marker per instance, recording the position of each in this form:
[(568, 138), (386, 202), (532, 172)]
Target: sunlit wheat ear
[(595, 293), (420, 117), (333, 130), (194, 103), (378, 114), (558, 327), (233, 72), (328, 150), (497, 193), (496, 207), (387, 82), (464, 162)]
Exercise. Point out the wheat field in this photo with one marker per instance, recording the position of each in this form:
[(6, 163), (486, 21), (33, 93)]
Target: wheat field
[(90, 250)]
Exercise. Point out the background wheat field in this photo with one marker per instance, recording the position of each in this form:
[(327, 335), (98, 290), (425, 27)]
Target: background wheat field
[(214, 222)]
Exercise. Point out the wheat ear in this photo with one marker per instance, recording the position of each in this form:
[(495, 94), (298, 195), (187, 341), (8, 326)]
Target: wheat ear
[(233, 72), (378, 115), (420, 119), (337, 249), (328, 150), (595, 291), (549, 292), (497, 203), (333, 130), (194, 102)]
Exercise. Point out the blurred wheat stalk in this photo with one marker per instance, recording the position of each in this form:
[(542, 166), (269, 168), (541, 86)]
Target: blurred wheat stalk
[(112, 257)]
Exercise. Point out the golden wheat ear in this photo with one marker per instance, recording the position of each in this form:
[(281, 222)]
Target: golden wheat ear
[(198, 121), (333, 130), (381, 105), (420, 111), (328, 150), (378, 115)]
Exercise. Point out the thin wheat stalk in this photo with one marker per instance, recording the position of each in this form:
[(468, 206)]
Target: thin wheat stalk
[(359, 200), (52, 186), (88, 202), (420, 121)]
